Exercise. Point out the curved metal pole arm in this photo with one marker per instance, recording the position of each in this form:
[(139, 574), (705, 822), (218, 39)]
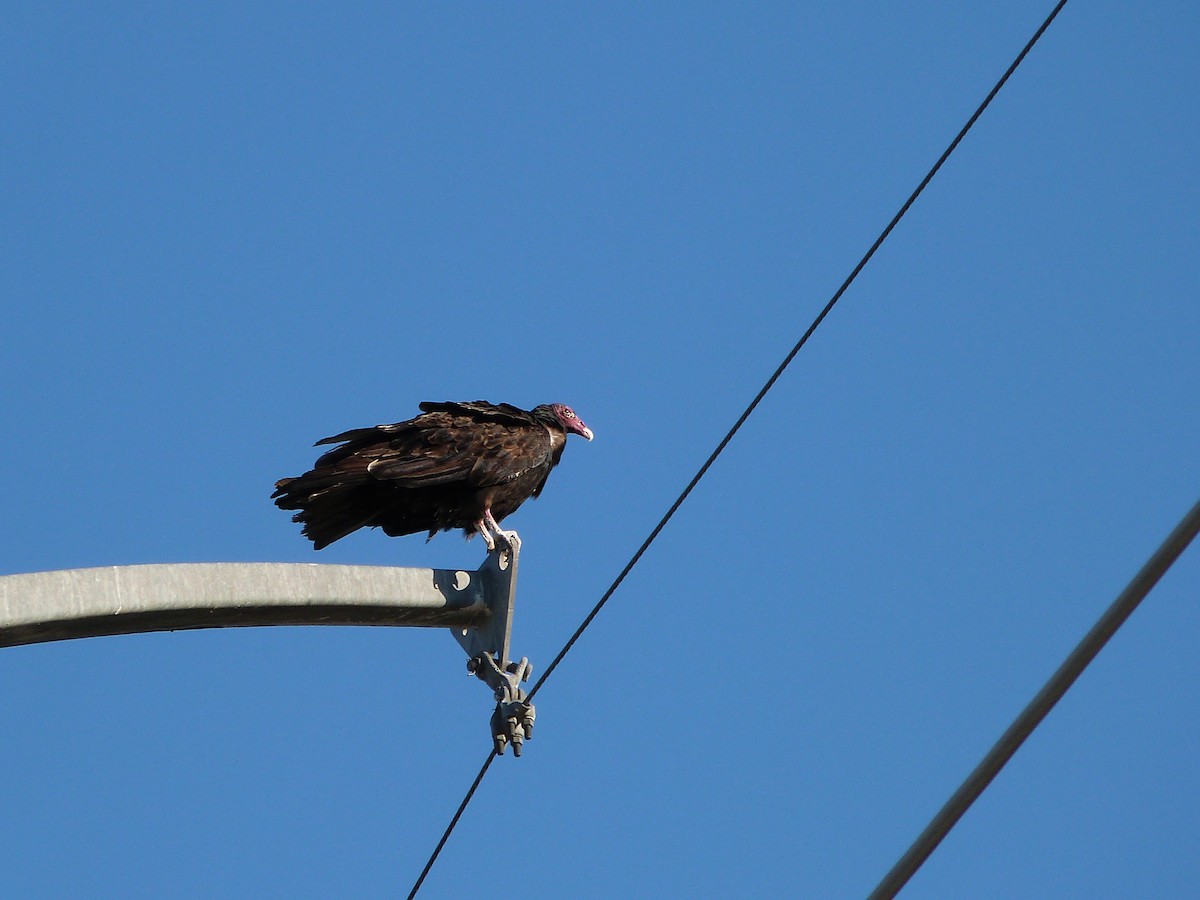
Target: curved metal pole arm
[(75, 603)]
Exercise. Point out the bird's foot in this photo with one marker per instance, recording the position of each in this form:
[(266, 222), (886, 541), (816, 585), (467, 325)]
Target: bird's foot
[(511, 538), (489, 540), (481, 529)]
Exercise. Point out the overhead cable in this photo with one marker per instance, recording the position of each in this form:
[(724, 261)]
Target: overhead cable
[(1114, 617), (770, 383)]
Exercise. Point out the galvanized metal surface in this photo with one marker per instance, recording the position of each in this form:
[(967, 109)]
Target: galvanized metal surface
[(74, 603), (512, 721), (498, 578)]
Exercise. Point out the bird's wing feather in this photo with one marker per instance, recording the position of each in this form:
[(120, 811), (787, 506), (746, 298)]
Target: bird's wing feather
[(458, 449), (411, 470), (510, 453), (481, 410)]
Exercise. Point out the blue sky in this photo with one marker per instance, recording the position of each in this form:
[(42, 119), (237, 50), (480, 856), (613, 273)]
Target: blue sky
[(231, 229)]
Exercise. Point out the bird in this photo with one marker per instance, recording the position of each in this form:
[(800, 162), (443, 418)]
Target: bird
[(461, 465)]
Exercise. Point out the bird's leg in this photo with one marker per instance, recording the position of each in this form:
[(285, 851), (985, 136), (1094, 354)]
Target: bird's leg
[(509, 537), (481, 528)]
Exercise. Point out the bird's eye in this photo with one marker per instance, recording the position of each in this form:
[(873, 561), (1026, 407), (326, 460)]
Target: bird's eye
[(568, 414)]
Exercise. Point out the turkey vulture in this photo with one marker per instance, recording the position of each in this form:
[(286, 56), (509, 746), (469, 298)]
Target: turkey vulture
[(457, 465)]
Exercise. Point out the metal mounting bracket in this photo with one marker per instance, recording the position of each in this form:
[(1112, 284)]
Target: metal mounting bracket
[(496, 579), (487, 645)]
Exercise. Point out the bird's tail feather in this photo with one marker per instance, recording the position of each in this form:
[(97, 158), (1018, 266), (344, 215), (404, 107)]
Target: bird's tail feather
[(328, 505)]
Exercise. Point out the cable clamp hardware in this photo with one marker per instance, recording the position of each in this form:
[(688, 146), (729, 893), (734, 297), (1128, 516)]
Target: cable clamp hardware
[(512, 721)]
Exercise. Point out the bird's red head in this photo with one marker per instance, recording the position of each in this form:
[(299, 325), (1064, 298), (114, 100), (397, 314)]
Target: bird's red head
[(569, 421)]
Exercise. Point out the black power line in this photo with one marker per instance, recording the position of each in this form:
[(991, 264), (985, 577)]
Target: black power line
[(449, 828), (1060, 682), (799, 344), (883, 235)]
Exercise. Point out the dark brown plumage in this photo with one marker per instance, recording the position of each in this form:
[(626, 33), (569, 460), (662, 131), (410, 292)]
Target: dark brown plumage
[(457, 465)]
